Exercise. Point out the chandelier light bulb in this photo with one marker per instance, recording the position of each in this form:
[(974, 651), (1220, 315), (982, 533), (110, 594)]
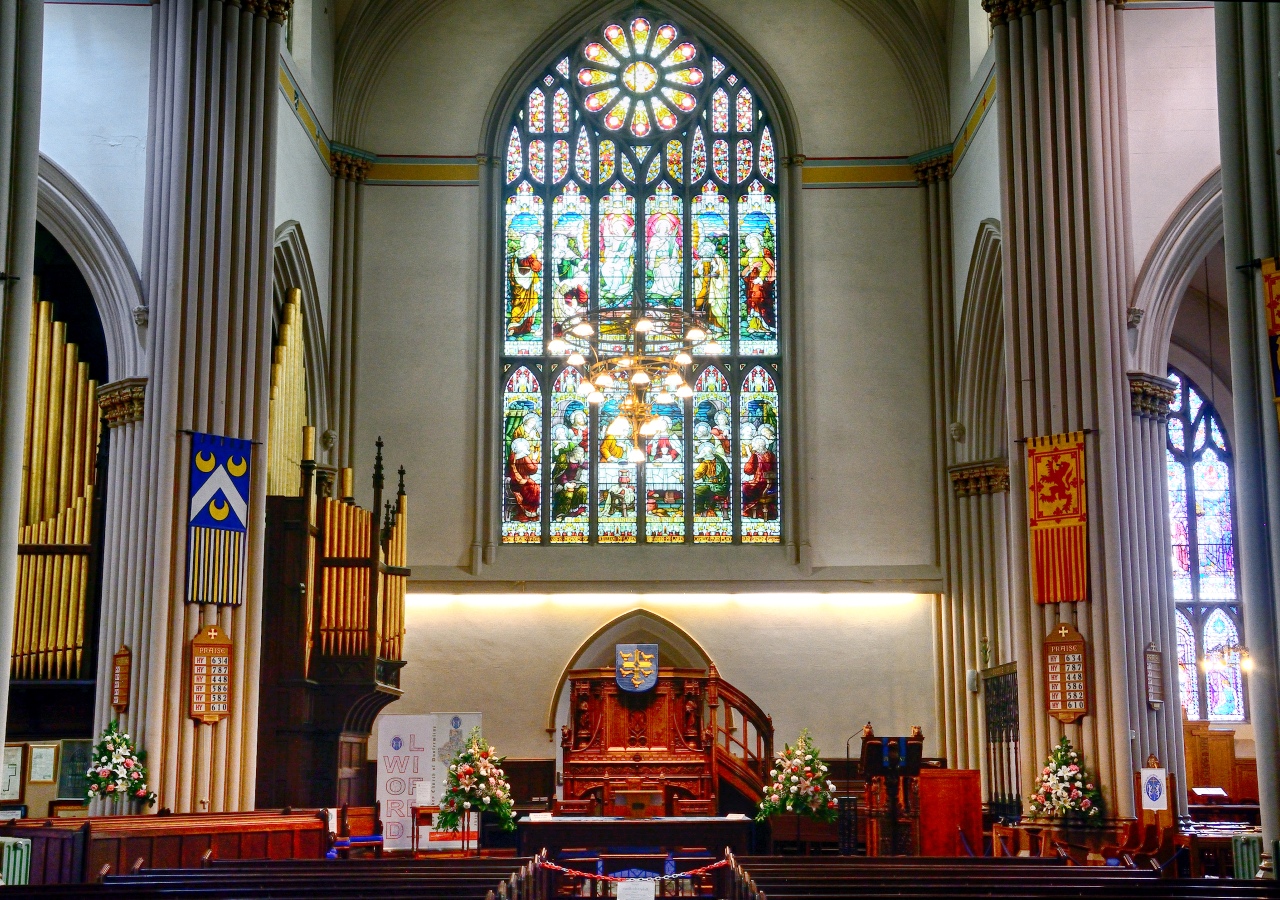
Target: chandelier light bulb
[(617, 428), (1246, 661), (577, 359), (585, 389), (604, 380), (684, 392), (649, 428), (683, 358), (635, 455), (640, 377), (595, 398), (623, 362), (695, 334), (583, 329), (713, 347), (644, 325), (557, 346), (665, 397), (673, 380)]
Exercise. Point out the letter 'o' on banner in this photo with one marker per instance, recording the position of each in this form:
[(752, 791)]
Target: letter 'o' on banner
[(218, 519), (1057, 520)]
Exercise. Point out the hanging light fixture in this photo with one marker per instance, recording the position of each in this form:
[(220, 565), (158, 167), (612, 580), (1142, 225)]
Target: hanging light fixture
[(641, 353)]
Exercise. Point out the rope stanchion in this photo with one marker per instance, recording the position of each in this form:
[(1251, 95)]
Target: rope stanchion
[(692, 873)]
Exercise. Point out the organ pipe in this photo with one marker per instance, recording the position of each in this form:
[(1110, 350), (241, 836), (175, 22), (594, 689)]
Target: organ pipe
[(285, 449)]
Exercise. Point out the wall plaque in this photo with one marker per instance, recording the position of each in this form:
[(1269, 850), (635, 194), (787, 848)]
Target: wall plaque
[(1155, 677), (1066, 674), (121, 672), (210, 675)]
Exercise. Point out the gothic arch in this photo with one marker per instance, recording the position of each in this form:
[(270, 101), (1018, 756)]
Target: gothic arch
[(1185, 240), (980, 378), (292, 269), (85, 231), (637, 623)]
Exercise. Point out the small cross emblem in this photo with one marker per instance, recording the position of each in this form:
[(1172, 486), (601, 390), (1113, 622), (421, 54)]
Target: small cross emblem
[(1063, 631)]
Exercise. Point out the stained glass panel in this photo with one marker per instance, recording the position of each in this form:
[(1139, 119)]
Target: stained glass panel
[(538, 161), (515, 156), (683, 100), (616, 512), (524, 273), (711, 287), (570, 254), (666, 34), (716, 67), (570, 460), (743, 108), (1188, 674), (712, 450), (1214, 543), (758, 439), (720, 160), (655, 168), (698, 157), (607, 152), (537, 111), (720, 112), (1179, 530), (675, 160), (757, 270), (628, 172), (664, 471), (768, 164), (582, 156), (522, 463), (559, 161), (563, 67), (560, 112), (617, 248), (1223, 685), (664, 249), (743, 154)]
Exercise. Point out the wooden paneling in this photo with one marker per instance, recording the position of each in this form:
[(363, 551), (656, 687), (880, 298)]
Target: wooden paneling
[(950, 802), (1211, 762)]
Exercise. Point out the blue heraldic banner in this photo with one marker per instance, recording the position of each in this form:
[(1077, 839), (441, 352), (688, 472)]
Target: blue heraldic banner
[(218, 521), (636, 667)]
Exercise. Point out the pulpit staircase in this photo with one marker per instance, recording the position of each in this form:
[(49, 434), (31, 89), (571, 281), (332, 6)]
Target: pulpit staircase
[(743, 742)]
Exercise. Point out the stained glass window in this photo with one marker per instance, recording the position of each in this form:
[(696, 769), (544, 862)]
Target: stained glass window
[(1202, 558), (640, 173)]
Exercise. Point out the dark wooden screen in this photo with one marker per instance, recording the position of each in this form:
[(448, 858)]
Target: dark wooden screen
[(1000, 704)]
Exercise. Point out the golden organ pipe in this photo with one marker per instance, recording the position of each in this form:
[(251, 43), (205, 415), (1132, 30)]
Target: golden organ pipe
[(53, 440)]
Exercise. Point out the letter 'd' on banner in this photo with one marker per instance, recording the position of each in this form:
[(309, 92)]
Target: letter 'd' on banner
[(218, 521), (1058, 524)]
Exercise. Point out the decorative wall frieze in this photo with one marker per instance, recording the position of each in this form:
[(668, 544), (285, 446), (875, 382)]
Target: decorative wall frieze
[(937, 168), (973, 479), (122, 401), (1151, 395), (350, 166)]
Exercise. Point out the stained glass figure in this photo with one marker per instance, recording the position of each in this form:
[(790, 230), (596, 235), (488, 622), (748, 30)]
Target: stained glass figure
[(745, 121), (758, 442), (559, 161), (719, 111), (570, 254), (720, 160), (743, 155), (538, 161), (570, 460), (1188, 671), (560, 112), (634, 181), (515, 156), (712, 452), (768, 164), (758, 272), (537, 111), (698, 157), (664, 470), (711, 280), (618, 479), (522, 455), (1202, 556), (524, 273)]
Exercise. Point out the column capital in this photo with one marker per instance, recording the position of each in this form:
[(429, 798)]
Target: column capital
[(122, 401), (275, 10), (1151, 395), (350, 165), (1004, 10), (973, 479), (936, 168)]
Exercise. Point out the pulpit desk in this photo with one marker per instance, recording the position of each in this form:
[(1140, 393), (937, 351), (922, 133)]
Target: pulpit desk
[(603, 832)]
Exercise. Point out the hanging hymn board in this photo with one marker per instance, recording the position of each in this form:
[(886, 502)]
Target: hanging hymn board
[(210, 675), (1155, 676), (121, 666), (1066, 675)]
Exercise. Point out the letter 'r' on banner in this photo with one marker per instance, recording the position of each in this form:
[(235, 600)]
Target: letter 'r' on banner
[(1057, 519)]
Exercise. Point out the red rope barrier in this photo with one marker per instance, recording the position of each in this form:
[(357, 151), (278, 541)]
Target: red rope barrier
[(613, 878)]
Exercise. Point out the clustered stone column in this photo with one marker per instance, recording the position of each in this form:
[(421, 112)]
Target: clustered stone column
[(349, 171), (207, 278), (21, 47), (1248, 55)]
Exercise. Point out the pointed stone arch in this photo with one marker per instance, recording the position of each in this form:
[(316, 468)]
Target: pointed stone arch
[(980, 358), (292, 269)]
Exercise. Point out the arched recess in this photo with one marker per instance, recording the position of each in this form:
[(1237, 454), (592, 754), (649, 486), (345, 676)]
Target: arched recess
[(676, 647), (292, 269), (980, 377), (1184, 241), (80, 226)]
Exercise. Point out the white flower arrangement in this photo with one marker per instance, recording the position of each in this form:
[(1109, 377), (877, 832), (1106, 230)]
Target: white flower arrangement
[(118, 769), (1065, 789), (797, 783), (476, 781)]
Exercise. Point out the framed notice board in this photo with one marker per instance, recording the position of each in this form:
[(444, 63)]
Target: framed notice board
[(210, 686), (1066, 673)]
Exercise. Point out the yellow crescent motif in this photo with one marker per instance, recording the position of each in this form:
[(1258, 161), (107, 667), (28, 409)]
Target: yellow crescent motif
[(237, 469), (219, 512), (204, 462)]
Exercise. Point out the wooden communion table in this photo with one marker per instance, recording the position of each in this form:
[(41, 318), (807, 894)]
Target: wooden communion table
[(605, 832)]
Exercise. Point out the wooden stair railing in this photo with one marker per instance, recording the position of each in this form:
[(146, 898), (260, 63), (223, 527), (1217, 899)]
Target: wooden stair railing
[(743, 737)]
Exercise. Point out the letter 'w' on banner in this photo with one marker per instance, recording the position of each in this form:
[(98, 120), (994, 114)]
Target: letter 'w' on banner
[(1271, 294), (1058, 524), (218, 522)]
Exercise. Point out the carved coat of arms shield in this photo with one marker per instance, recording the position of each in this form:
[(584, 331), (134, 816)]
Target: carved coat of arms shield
[(636, 667)]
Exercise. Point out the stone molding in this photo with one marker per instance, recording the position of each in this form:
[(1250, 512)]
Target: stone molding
[(975, 479), (122, 401), (349, 167), (1151, 396), (931, 170)]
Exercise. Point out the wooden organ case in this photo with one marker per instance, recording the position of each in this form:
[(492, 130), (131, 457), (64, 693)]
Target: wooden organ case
[(667, 751), (334, 582)]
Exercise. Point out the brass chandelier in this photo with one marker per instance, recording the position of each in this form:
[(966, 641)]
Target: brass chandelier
[(645, 355)]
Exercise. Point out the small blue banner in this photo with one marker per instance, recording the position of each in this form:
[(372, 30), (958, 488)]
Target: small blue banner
[(218, 521), (636, 667)]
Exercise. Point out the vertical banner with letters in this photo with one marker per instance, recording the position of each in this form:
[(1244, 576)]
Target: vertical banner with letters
[(218, 520), (1057, 519), (1271, 296), (412, 750)]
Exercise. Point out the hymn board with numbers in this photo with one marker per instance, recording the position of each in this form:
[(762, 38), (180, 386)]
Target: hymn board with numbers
[(210, 685), (1066, 674)]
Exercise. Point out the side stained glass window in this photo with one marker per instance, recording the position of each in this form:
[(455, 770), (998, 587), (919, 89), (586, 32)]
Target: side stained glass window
[(1202, 558), (640, 173)]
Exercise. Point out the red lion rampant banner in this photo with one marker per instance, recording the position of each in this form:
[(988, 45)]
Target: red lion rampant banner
[(1057, 518)]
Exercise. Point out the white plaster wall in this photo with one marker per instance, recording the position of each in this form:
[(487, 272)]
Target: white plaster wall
[(975, 196), (970, 58), (312, 58), (93, 109), (304, 193), (1172, 113), (814, 661)]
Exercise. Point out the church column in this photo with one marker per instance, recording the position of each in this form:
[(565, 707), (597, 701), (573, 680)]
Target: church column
[(1066, 277), (21, 48), (1248, 44), (349, 171), (207, 271)]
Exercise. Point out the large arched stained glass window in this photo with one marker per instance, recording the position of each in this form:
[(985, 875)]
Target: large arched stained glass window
[(1202, 557), (640, 172)]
